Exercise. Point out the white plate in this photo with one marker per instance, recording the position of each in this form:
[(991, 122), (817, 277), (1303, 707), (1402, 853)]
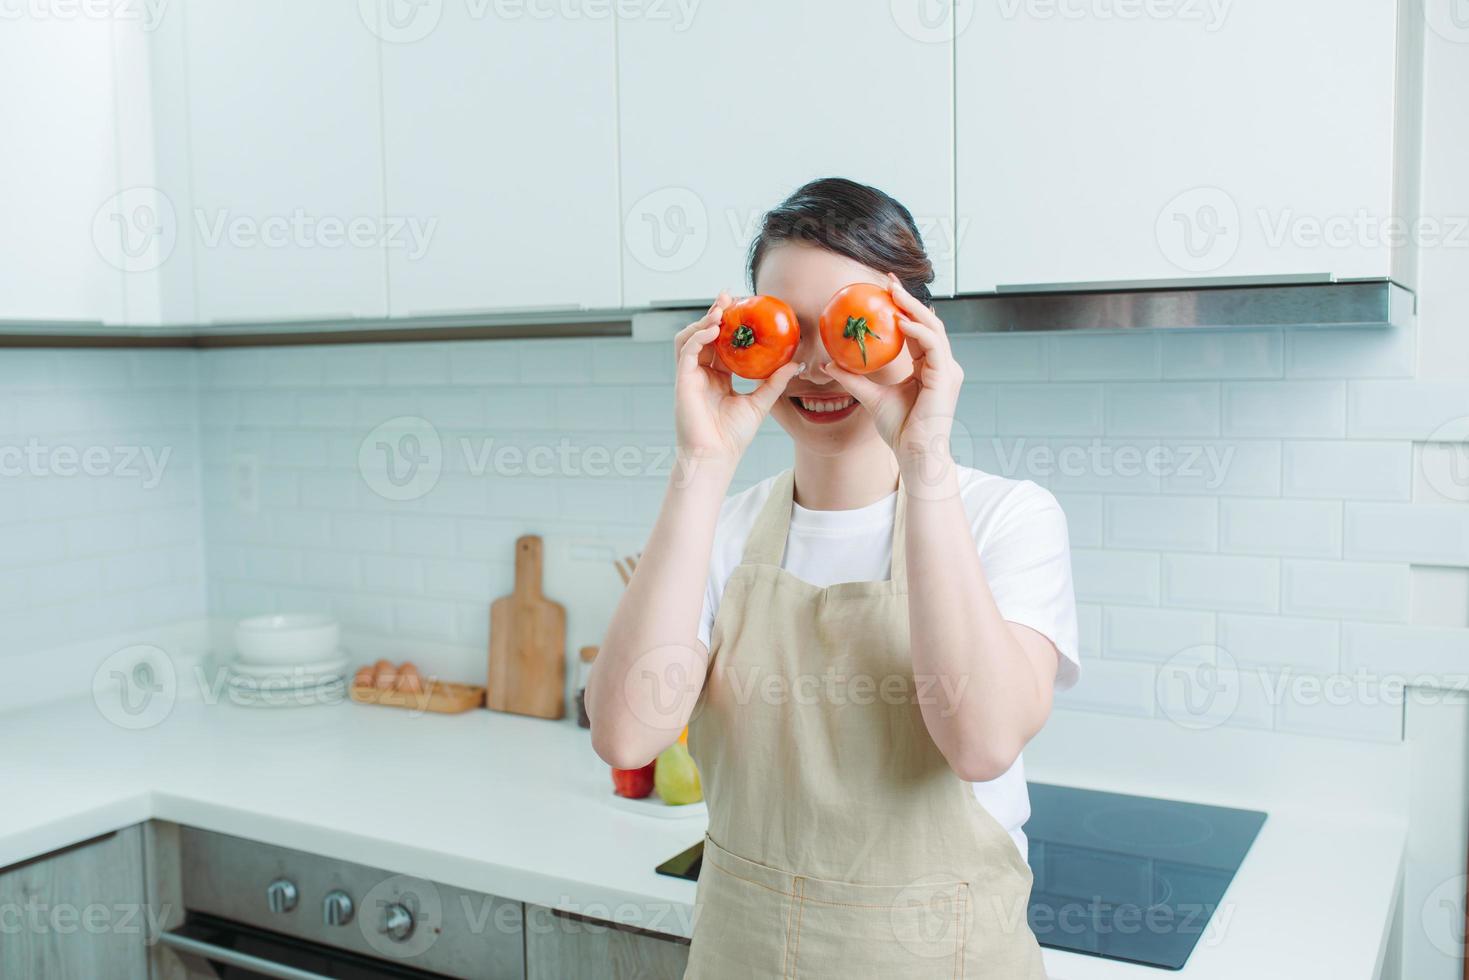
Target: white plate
[(335, 667), (332, 692), (653, 806)]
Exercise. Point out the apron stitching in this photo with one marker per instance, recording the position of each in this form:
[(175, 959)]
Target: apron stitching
[(800, 909), (963, 910), (757, 884)]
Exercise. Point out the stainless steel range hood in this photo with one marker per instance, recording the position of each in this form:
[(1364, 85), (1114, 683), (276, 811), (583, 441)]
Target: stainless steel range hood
[(1362, 304), (1376, 303)]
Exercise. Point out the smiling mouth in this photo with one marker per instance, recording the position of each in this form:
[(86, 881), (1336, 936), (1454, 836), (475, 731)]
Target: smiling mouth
[(828, 409)]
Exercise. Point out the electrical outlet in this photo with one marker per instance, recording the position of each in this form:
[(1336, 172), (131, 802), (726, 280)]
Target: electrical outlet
[(245, 482)]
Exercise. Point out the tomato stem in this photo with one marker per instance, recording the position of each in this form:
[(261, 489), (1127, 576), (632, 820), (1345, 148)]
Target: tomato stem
[(858, 330), (742, 337)]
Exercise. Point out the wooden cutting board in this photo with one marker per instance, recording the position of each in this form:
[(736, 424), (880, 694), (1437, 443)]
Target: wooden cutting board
[(527, 673)]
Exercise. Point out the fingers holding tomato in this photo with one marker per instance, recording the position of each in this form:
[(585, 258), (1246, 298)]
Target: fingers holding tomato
[(860, 328), (757, 336)]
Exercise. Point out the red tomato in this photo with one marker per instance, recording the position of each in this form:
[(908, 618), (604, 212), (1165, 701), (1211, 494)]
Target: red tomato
[(859, 328), (756, 336)]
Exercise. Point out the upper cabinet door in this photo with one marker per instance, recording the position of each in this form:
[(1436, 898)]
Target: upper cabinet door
[(286, 159), (500, 127), (726, 107), (69, 230), (1178, 141)]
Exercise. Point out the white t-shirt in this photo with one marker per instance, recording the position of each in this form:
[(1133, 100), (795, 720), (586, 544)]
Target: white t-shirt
[(1021, 535)]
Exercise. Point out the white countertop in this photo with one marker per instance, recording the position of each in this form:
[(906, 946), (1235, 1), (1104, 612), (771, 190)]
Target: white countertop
[(518, 807)]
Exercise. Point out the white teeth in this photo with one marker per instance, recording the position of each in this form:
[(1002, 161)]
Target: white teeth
[(825, 404)]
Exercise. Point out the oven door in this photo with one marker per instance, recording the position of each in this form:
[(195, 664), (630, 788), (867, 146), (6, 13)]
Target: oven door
[(212, 947)]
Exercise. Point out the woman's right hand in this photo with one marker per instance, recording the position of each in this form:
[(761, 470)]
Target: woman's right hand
[(714, 423)]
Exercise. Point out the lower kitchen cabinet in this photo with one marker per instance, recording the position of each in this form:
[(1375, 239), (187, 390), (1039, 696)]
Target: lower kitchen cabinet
[(77, 913), (559, 947)]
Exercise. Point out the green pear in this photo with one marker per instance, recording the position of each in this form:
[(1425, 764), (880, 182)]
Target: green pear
[(676, 777)]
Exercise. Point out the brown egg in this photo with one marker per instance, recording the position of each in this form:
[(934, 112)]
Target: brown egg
[(409, 679), (386, 677), (364, 676)]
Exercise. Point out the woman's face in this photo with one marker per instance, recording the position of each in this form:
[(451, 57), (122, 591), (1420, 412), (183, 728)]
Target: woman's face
[(817, 412)]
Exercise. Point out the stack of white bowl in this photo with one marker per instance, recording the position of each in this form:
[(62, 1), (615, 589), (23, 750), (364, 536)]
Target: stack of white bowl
[(288, 660)]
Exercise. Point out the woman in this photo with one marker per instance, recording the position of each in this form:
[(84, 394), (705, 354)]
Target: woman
[(881, 633)]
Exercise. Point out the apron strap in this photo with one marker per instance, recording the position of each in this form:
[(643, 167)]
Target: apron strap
[(766, 544)]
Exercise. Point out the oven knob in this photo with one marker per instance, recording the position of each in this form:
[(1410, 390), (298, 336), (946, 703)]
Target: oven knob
[(336, 908), (397, 922), (281, 896)]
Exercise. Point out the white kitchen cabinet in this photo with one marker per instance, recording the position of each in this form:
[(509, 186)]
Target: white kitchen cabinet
[(726, 110), (286, 161), (59, 170), (77, 913), (1114, 142), (500, 131)]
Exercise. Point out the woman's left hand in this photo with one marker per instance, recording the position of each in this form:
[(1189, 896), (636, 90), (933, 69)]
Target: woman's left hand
[(915, 416)]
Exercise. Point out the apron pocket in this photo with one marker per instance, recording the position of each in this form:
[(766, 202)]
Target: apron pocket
[(859, 931)]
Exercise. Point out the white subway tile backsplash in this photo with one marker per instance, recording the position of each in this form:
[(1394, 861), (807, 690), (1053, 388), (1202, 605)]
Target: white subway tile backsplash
[(1115, 576), (421, 535), (453, 408), (1419, 410), (1222, 354), (1223, 467), (562, 361), (1167, 408), (1281, 641), (1297, 528), (392, 574), (1350, 470), (416, 364), (1342, 590), (1095, 465), (478, 363), (1143, 633), (1351, 353), (1049, 409), (1224, 582), (323, 408), (1338, 708), (288, 367), (1000, 357), (975, 411), (356, 366), (1439, 596), (457, 578), (331, 569), (1083, 518), (1285, 408), (1421, 656), (1162, 523), (1103, 357), (431, 619), (1441, 472), (1089, 629), (1429, 534), (620, 362), (1113, 687)]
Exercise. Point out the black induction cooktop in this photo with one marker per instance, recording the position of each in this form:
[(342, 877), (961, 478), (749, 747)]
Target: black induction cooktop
[(1122, 877)]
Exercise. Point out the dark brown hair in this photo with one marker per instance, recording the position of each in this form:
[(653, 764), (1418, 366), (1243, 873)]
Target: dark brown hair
[(851, 219)]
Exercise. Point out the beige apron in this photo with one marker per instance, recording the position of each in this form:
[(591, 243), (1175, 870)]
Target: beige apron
[(840, 842)]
